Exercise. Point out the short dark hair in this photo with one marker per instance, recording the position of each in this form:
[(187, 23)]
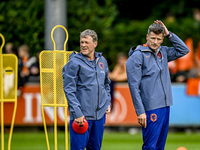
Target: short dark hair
[(156, 28)]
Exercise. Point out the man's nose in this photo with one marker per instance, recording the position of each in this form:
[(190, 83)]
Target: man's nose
[(156, 41), (83, 44)]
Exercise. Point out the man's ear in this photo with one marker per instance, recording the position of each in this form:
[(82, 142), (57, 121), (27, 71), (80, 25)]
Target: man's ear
[(147, 37), (162, 40), (96, 43)]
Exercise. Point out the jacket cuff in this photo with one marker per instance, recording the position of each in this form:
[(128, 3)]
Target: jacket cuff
[(139, 111), (169, 35), (78, 113)]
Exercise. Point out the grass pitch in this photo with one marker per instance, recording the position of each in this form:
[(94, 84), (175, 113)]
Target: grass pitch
[(125, 141), (111, 141)]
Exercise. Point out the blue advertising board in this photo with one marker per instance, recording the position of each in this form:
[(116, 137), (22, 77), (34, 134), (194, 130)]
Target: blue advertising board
[(186, 109)]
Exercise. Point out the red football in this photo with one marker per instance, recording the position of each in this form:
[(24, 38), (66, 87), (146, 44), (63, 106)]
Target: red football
[(80, 129)]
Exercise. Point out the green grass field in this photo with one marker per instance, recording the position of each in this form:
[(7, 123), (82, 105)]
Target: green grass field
[(112, 141)]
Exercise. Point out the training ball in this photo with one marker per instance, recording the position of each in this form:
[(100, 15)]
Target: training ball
[(181, 148), (80, 129)]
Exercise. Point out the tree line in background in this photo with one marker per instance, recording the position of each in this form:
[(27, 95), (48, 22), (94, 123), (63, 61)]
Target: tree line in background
[(120, 24)]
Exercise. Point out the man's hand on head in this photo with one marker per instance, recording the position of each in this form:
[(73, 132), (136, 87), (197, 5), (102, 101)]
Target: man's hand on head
[(165, 28)]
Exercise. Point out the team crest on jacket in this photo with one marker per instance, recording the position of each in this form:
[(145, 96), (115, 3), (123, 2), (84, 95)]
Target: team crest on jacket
[(153, 117), (159, 55), (101, 65)]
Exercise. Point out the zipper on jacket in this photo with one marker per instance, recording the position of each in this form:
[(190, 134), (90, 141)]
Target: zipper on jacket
[(97, 87), (155, 54), (161, 80)]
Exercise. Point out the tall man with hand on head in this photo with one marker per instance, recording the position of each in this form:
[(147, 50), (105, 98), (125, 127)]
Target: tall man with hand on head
[(150, 84), (86, 86)]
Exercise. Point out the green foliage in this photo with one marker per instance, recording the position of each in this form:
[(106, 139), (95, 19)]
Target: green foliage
[(88, 14), (184, 28), (123, 36), (22, 22)]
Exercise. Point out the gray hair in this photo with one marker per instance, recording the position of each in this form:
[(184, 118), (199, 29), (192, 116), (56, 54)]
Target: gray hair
[(91, 33), (156, 28)]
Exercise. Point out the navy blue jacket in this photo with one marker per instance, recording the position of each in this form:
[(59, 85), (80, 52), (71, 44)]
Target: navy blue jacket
[(148, 75), (86, 86)]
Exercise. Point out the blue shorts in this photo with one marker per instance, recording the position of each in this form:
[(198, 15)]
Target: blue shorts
[(155, 134), (91, 139)]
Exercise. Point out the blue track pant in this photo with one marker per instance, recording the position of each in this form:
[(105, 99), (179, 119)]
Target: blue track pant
[(155, 134), (91, 139)]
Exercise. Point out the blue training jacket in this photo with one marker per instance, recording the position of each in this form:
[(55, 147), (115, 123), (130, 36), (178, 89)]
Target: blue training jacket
[(86, 86), (148, 74)]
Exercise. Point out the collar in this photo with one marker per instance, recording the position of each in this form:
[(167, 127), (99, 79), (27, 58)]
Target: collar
[(155, 52), (95, 54)]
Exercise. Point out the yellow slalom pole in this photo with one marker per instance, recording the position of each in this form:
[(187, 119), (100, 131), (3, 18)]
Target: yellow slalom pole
[(2, 125), (55, 127), (66, 121), (54, 45), (13, 66), (52, 94), (8, 62), (54, 101), (45, 129), (12, 125), (66, 130), (1, 98), (3, 42), (15, 106)]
